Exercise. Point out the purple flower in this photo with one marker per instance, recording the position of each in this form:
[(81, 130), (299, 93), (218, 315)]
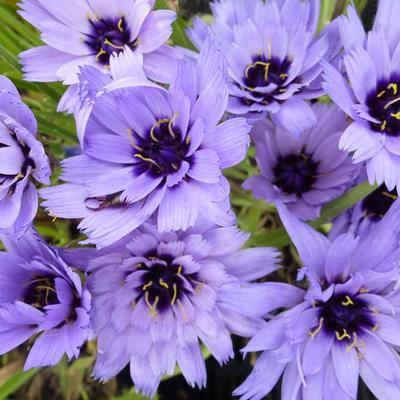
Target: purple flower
[(162, 294), (347, 324), (273, 57), (88, 32), (370, 94), (304, 173), (21, 158), (147, 150), (41, 297), (361, 219)]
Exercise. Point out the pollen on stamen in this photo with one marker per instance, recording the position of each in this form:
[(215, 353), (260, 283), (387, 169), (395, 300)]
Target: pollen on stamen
[(318, 329), (348, 301), (344, 335)]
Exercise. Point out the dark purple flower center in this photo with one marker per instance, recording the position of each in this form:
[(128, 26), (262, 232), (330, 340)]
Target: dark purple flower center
[(163, 150), (164, 283), (295, 173), (376, 205), (384, 105), (263, 72), (40, 292), (108, 36), (344, 316)]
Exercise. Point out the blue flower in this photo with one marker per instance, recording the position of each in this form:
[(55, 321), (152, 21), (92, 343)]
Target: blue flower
[(22, 158), (273, 56), (41, 299), (305, 173), (88, 32), (346, 324), (370, 95), (157, 296), (149, 150)]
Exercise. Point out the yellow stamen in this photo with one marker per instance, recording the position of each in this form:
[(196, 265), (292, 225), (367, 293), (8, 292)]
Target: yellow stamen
[(348, 302), (394, 87), (374, 310), (120, 27), (283, 76), (363, 290), (132, 140), (387, 105), (175, 294), (99, 54), (147, 285), (380, 94), (383, 125), (137, 155), (152, 307), (395, 115), (163, 284), (344, 335), (375, 327), (353, 344), (179, 270), (318, 329), (156, 125), (54, 219), (263, 64), (119, 47), (187, 140), (390, 195), (170, 129)]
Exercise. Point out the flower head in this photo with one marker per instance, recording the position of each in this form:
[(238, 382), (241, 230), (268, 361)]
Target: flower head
[(366, 213), (88, 32), (273, 57), (147, 150), (346, 324), (161, 294), (22, 158), (304, 173), (370, 95), (41, 298)]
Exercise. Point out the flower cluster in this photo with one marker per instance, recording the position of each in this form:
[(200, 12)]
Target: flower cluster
[(160, 130)]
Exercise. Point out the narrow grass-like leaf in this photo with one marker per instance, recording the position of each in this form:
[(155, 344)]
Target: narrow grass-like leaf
[(279, 237), (15, 382)]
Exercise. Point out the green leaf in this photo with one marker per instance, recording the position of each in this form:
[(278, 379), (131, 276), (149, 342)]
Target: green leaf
[(15, 382), (327, 8), (279, 237)]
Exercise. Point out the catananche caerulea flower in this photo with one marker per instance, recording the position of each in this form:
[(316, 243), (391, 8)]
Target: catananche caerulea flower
[(273, 57), (371, 93), (347, 324), (162, 294), (304, 173), (41, 299), (21, 157), (88, 32), (366, 213), (147, 150)]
